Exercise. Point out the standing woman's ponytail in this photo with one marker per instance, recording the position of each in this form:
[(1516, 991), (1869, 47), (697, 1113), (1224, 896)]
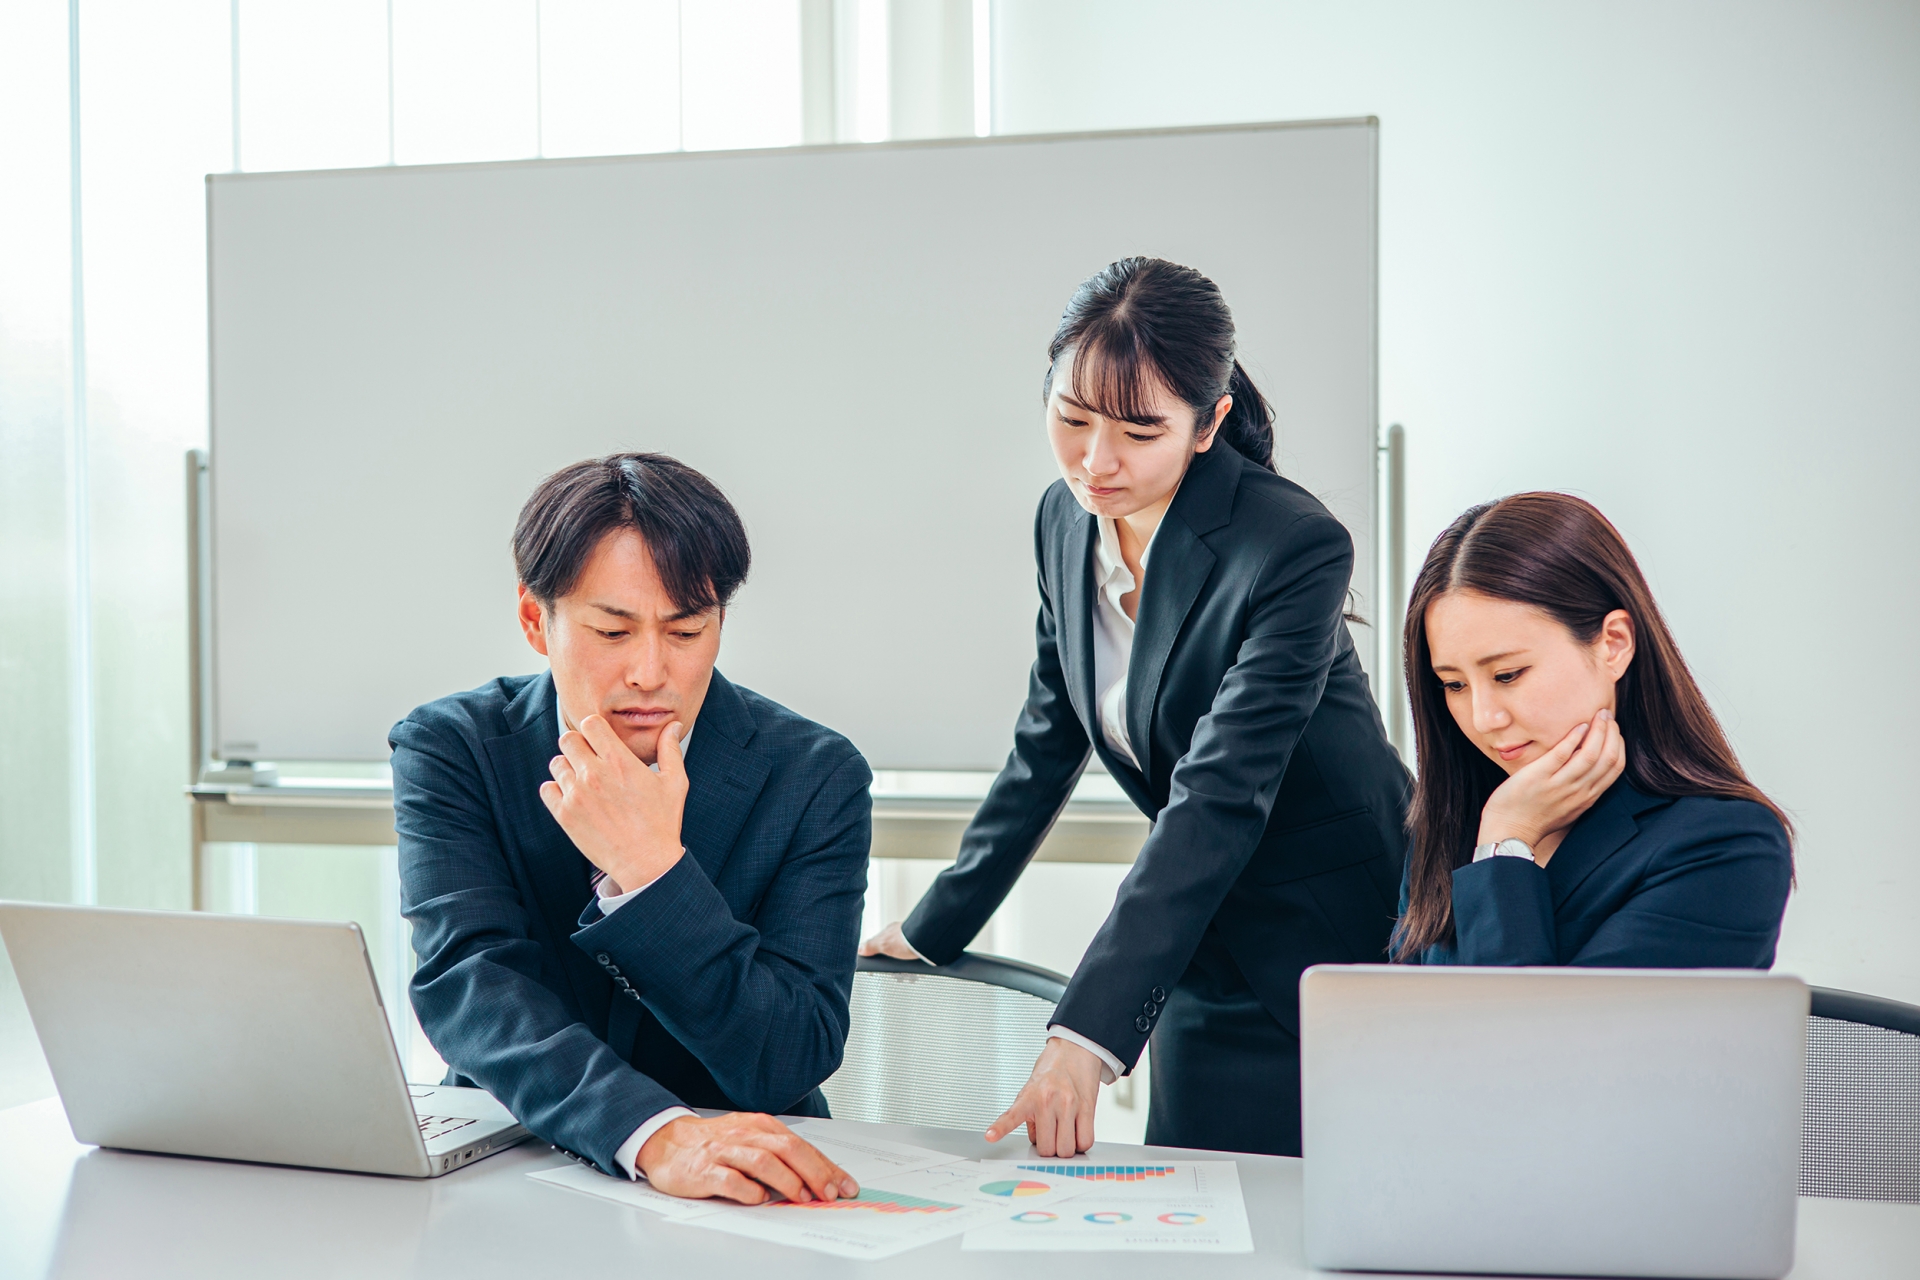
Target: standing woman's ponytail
[(1249, 424), (1149, 320)]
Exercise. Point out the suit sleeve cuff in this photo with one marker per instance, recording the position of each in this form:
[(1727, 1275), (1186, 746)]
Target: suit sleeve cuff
[(1110, 1068), (629, 1151), (1503, 913), (611, 902), (917, 953)]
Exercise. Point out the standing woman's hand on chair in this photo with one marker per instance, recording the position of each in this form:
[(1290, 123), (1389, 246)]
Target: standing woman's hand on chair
[(1057, 1103), (890, 942)]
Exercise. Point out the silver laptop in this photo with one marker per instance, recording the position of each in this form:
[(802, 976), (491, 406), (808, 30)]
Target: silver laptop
[(1617, 1122), (234, 1037)]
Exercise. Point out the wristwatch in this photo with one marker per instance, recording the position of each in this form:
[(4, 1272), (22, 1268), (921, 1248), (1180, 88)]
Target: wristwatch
[(1503, 849)]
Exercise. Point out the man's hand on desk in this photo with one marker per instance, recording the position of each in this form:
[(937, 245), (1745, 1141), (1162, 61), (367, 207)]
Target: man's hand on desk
[(738, 1156), (621, 814), (1057, 1103)]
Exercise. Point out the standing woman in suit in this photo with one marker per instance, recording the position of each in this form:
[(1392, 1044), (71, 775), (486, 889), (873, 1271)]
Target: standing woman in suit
[(1192, 637), (1578, 803)]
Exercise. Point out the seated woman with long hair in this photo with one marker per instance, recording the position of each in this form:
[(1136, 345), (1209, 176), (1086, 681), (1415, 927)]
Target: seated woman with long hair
[(1577, 801)]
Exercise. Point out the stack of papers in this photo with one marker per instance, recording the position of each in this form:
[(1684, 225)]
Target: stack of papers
[(910, 1196)]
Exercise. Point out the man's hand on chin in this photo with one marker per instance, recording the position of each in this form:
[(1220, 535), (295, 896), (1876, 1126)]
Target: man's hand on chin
[(622, 815), (739, 1156)]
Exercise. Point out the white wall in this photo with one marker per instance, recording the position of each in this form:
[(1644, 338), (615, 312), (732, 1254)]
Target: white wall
[(1663, 255)]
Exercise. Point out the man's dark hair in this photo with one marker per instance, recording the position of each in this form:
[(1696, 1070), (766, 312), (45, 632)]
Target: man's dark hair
[(698, 544)]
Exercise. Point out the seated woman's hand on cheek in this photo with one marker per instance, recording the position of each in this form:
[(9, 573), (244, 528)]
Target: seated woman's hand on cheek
[(1538, 703)]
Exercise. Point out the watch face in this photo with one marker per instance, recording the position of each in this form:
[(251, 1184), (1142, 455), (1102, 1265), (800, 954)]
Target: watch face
[(1514, 849)]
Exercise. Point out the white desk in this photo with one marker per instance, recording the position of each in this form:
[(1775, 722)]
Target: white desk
[(72, 1211)]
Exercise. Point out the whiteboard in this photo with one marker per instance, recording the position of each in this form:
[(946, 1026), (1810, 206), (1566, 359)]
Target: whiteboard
[(849, 340)]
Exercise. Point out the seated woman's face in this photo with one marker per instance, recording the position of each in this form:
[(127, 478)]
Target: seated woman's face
[(1516, 680)]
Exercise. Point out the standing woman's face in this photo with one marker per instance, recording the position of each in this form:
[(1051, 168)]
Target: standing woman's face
[(1117, 467)]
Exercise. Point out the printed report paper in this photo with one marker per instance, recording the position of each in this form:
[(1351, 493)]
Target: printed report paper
[(1179, 1206), (865, 1159), (892, 1214), (578, 1177)]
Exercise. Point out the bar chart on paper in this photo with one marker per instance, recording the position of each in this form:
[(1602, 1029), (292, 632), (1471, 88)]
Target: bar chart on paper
[(872, 1202), (1104, 1172)]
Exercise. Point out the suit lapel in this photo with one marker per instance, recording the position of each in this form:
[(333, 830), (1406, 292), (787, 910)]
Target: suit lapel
[(1177, 568), (559, 873), (1073, 616), (1597, 836), (724, 777)]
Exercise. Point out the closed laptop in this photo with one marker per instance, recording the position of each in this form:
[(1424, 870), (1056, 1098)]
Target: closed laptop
[(1552, 1121)]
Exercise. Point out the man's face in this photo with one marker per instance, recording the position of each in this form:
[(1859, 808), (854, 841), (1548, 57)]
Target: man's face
[(621, 648)]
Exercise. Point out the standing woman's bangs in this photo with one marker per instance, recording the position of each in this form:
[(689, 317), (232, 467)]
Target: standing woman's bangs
[(1560, 555), (1107, 370)]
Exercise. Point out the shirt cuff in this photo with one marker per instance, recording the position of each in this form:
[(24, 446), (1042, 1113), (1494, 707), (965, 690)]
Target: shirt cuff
[(916, 951), (630, 1149), (1110, 1068), (611, 902)]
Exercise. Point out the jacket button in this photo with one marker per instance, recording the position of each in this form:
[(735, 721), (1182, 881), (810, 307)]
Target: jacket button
[(1149, 1008), (633, 993), (614, 969), (622, 983), (1143, 1024), (1159, 995), (603, 958)]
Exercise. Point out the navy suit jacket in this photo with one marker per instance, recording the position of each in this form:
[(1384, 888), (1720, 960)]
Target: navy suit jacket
[(1639, 882), (724, 984), (1277, 802)]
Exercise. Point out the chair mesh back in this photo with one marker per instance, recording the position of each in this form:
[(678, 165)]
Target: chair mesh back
[(1860, 1123), (934, 1050)]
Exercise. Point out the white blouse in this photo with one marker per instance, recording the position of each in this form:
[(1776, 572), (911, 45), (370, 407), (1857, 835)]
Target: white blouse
[(1113, 637)]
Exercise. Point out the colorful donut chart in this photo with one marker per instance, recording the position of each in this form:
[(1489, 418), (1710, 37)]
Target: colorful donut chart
[(1034, 1217), (1109, 1218), (1183, 1219)]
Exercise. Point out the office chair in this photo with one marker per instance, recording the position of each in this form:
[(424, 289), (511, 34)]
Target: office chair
[(1860, 1121), (947, 1046)]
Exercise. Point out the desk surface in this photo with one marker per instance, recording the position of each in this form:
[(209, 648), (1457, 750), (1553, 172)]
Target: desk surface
[(72, 1211)]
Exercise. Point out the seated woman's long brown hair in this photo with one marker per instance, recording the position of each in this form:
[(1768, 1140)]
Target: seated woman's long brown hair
[(1559, 555)]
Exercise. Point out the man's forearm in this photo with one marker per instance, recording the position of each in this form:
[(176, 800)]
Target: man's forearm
[(765, 1028)]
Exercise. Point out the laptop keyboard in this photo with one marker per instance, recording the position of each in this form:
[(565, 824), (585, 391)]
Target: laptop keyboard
[(433, 1128)]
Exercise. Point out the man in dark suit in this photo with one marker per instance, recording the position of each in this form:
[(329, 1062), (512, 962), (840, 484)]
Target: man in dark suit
[(635, 887)]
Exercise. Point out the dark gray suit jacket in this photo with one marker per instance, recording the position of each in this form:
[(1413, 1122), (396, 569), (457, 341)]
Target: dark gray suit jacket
[(1277, 803), (724, 985)]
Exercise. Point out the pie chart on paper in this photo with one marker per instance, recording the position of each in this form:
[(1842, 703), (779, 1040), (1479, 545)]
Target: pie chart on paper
[(1012, 1189)]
